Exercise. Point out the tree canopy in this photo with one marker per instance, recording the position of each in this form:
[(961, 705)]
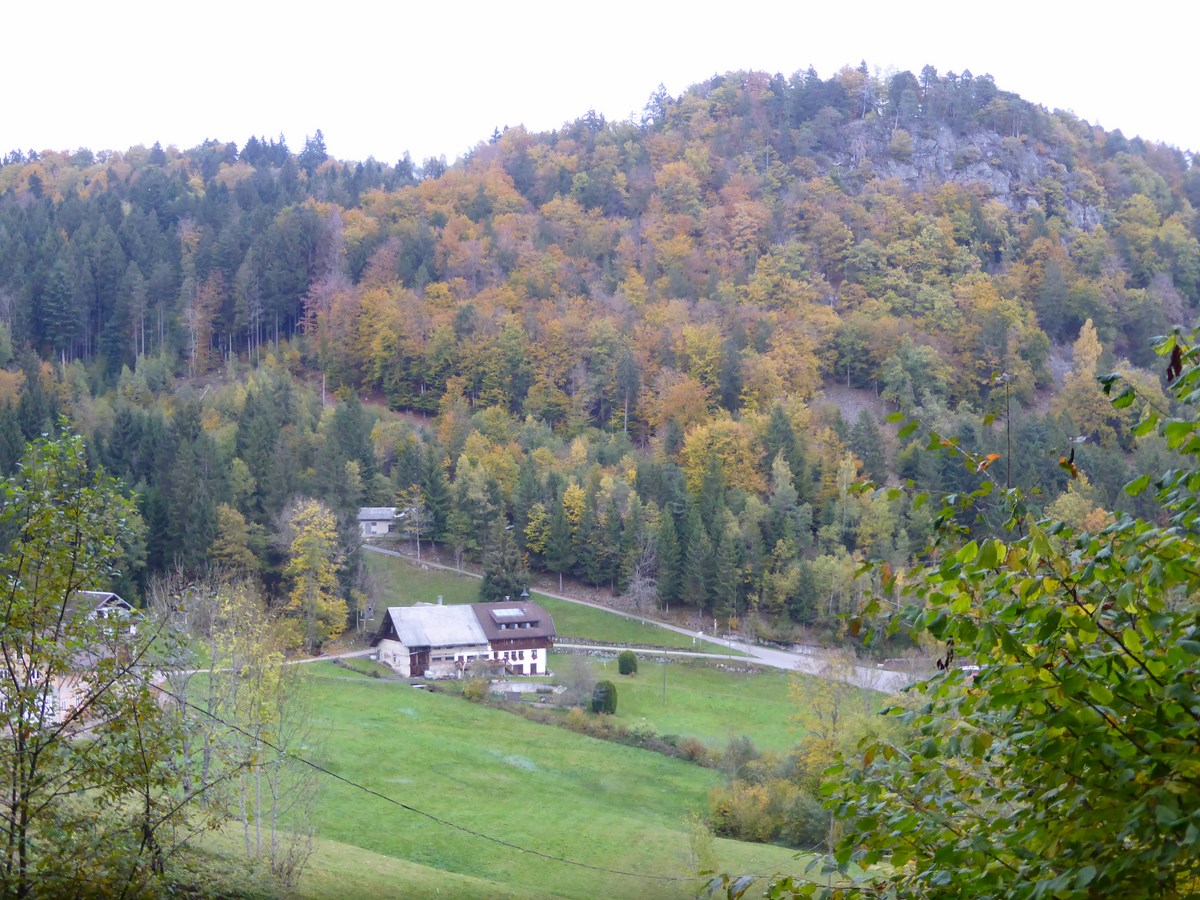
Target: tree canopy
[(1056, 751)]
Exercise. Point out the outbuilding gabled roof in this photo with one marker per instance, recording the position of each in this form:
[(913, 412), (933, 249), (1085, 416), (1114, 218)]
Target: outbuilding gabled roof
[(376, 513), (97, 604)]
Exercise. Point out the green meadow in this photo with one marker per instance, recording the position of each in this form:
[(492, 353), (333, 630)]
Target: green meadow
[(506, 806), (704, 702), (402, 582), (428, 795)]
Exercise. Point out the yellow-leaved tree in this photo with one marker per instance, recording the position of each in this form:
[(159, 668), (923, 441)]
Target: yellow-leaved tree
[(313, 561), (1081, 397)]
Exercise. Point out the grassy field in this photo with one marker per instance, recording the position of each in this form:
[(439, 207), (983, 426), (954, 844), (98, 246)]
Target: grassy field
[(704, 702), (602, 805), (399, 582)]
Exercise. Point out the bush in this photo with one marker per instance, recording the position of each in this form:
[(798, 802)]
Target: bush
[(743, 811), (627, 663), (694, 751), (475, 690), (604, 698), (738, 756), (774, 810), (805, 820), (576, 720)]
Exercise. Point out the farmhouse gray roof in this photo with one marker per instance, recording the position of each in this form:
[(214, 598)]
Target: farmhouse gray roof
[(376, 513), (437, 626)]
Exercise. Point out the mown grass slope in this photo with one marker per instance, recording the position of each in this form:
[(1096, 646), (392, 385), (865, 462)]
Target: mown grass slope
[(511, 786)]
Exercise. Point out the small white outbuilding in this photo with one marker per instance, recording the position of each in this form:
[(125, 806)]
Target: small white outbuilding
[(377, 520)]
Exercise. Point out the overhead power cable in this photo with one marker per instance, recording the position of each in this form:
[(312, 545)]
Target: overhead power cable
[(420, 812)]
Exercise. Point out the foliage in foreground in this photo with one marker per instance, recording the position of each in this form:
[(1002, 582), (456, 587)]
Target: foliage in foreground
[(108, 767), (1068, 764), (89, 793)]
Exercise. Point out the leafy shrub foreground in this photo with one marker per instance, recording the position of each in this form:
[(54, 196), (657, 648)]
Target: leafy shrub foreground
[(1068, 762)]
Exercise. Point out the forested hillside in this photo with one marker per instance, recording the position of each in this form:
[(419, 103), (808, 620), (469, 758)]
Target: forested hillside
[(613, 338)]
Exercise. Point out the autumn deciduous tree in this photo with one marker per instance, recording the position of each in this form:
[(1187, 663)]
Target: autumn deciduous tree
[(1080, 398), (246, 714), (313, 561), (232, 547)]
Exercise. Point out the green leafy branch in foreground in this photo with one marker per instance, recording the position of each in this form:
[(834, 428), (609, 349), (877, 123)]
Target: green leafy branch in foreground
[(1068, 762)]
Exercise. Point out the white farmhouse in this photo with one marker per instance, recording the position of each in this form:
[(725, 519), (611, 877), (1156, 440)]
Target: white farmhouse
[(439, 640), (444, 640), (103, 622)]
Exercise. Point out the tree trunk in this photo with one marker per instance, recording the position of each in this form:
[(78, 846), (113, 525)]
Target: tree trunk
[(245, 818), (258, 810)]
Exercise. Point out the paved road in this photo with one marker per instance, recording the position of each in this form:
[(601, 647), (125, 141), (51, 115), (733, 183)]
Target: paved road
[(810, 660)]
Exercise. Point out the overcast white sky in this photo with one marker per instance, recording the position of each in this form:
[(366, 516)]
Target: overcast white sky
[(436, 78)]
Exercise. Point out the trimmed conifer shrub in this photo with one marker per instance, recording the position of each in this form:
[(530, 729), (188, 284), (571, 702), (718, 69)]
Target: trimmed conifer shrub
[(604, 698)]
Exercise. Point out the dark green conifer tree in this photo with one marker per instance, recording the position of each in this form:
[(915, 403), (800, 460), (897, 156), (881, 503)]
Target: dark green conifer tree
[(560, 547), (630, 546), (802, 603), (353, 424), (724, 594), (436, 491), (527, 493), (12, 442), (780, 437), (257, 435), (866, 440), (504, 577), (591, 564), (611, 536), (697, 561), (670, 562), (194, 486), (711, 497)]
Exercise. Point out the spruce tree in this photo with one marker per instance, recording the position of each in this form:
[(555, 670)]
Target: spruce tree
[(527, 493), (12, 442), (697, 562), (611, 536), (866, 440), (503, 575), (436, 491), (725, 581), (670, 568), (629, 550), (780, 437), (589, 546), (560, 548), (802, 602)]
